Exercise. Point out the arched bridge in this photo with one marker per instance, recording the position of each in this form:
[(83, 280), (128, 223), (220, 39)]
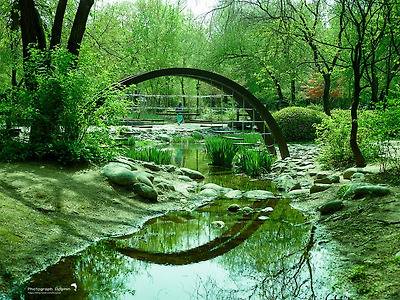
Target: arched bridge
[(240, 94)]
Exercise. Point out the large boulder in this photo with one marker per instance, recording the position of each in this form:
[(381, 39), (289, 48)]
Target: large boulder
[(233, 194), (212, 186), (209, 193), (146, 192), (285, 182), (119, 174), (142, 177), (191, 173), (259, 195), (360, 190)]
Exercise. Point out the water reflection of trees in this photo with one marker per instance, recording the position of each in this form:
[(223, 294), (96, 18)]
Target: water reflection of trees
[(103, 273), (274, 263)]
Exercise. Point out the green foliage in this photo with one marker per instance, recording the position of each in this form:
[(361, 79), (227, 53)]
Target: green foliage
[(253, 162), (333, 136), (58, 103), (221, 151), (151, 154), (213, 114), (298, 123), (385, 125)]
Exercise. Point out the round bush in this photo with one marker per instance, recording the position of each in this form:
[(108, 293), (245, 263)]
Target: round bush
[(298, 123)]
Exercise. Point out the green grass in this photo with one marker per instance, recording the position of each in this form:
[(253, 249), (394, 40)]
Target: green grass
[(221, 151), (253, 162), (251, 137), (151, 154)]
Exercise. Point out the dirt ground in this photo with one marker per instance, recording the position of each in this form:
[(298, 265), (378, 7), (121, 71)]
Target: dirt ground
[(47, 212), (365, 236)]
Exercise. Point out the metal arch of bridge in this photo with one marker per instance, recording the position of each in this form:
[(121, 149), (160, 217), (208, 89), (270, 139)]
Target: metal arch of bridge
[(239, 93), (229, 240)]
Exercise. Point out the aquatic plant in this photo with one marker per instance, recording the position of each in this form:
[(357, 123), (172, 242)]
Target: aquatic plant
[(221, 151), (253, 162), (151, 154)]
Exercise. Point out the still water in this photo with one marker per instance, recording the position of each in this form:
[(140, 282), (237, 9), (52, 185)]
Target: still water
[(268, 252)]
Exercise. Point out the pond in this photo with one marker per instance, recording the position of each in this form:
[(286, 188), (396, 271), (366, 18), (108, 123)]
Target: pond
[(266, 251)]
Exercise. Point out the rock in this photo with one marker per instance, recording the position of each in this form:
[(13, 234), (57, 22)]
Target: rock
[(145, 191), (234, 194), (303, 193), (165, 138), (125, 162), (165, 186), (259, 195), (169, 168), (185, 178), (218, 224), (312, 173), (328, 180), (284, 182), (322, 174), (267, 209), (357, 177), (190, 173), (212, 186), (142, 177), (263, 218), (359, 190), (331, 207), (146, 174), (297, 186), (119, 174), (233, 207), (151, 166), (247, 210), (209, 193), (316, 188), (366, 170)]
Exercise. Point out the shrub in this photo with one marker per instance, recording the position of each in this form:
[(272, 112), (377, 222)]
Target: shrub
[(385, 125), (153, 154), (253, 162), (298, 123), (221, 151), (333, 135), (59, 106)]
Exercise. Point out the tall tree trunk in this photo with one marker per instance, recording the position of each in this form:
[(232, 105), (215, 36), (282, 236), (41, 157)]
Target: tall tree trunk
[(183, 92), (79, 26), (278, 88), (326, 95), (56, 30), (31, 27), (358, 156)]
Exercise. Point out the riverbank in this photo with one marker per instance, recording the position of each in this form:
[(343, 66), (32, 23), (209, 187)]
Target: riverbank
[(47, 212), (365, 238)]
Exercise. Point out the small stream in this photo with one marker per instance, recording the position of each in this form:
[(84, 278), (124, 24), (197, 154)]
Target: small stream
[(266, 253)]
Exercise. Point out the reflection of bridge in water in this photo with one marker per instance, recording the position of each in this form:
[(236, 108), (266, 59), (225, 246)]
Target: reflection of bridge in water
[(229, 240)]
